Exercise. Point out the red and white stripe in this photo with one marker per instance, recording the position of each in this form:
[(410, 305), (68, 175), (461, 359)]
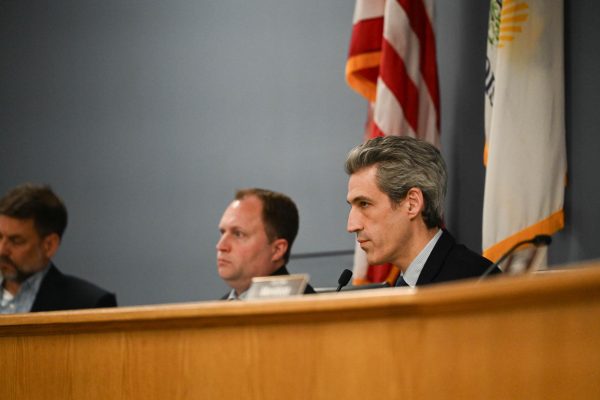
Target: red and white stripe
[(392, 63)]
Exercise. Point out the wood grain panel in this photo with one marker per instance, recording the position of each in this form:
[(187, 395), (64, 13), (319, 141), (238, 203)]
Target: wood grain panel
[(534, 337)]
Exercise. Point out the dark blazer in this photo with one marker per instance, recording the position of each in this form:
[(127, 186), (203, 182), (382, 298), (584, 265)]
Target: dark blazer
[(280, 271), (63, 292), (450, 261)]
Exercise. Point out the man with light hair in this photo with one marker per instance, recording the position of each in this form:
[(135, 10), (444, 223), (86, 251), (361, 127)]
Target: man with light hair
[(396, 193), (257, 230)]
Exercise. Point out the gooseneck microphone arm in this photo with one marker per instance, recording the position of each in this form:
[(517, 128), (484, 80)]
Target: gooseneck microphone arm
[(539, 240)]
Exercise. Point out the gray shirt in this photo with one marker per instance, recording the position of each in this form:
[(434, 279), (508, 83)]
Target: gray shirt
[(23, 300)]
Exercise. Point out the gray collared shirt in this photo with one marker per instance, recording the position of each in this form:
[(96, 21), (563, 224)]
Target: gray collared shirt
[(23, 300), (416, 266)]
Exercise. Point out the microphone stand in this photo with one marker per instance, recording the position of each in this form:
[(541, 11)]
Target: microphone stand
[(537, 241)]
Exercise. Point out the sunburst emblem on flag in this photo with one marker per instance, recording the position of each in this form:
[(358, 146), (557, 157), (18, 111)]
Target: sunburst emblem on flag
[(506, 20)]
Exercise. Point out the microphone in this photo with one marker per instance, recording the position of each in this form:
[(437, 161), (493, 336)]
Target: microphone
[(537, 241), (344, 279)]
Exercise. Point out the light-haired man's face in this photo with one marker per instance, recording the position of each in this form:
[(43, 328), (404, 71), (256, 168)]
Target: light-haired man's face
[(382, 230), (244, 250), (22, 251)]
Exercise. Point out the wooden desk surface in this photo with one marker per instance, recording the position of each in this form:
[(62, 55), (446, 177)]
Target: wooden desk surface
[(509, 337)]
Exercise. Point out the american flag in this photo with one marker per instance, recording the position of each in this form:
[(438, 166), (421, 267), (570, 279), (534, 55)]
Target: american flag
[(392, 63)]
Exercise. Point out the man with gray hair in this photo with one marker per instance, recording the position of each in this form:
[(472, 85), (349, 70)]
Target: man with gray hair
[(396, 193)]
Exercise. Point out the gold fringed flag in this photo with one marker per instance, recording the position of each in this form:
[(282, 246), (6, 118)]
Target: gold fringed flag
[(525, 152)]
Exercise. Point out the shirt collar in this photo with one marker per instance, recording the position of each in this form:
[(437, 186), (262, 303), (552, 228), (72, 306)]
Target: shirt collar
[(31, 283), (416, 266), (25, 297), (233, 295)]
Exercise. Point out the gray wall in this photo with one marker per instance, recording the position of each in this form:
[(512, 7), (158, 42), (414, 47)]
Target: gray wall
[(146, 116)]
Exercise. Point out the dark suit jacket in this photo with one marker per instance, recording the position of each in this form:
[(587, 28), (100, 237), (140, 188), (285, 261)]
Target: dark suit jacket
[(63, 292), (280, 271), (450, 261)]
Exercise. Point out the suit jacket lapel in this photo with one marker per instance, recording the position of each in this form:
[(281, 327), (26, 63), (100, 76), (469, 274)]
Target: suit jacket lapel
[(436, 259), (46, 295)]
